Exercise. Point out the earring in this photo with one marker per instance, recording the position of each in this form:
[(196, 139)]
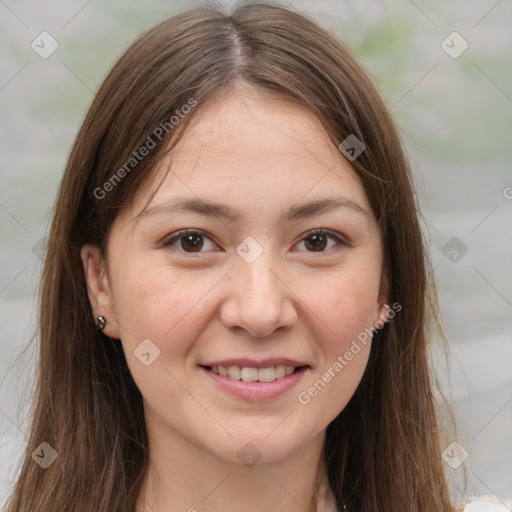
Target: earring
[(101, 322)]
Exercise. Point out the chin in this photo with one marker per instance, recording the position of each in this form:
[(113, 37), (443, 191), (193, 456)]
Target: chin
[(263, 446)]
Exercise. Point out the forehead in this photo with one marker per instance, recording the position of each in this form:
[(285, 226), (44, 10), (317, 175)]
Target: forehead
[(247, 147)]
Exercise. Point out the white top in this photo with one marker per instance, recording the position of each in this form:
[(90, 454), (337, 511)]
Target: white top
[(484, 504), (327, 503)]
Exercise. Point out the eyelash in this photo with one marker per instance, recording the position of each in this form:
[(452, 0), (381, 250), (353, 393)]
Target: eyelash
[(174, 238)]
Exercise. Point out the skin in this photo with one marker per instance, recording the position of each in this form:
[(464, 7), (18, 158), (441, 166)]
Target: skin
[(259, 155)]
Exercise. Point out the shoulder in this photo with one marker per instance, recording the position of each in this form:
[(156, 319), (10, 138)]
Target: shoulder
[(483, 504)]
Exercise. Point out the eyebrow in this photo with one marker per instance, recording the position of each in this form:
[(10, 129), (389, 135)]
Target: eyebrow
[(298, 211)]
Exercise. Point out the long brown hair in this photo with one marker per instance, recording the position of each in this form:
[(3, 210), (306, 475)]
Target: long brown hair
[(383, 451)]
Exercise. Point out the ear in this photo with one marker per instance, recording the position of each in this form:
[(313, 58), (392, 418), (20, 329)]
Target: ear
[(98, 288)]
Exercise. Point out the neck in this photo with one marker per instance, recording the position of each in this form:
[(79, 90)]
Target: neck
[(183, 476)]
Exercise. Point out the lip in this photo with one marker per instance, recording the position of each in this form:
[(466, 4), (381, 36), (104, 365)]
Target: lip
[(251, 363), (256, 391)]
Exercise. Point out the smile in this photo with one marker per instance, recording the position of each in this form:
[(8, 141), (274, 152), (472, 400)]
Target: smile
[(248, 374), (255, 384)]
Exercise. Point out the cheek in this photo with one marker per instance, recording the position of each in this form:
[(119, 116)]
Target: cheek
[(161, 305), (342, 312), (345, 313), (168, 309), (344, 303), (330, 389)]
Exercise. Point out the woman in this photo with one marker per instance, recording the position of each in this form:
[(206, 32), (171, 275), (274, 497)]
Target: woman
[(235, 301)]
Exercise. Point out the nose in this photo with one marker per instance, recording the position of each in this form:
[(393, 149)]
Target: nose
[(260, 300)]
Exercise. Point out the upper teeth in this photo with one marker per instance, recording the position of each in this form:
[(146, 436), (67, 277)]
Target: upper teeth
[(254, 374)]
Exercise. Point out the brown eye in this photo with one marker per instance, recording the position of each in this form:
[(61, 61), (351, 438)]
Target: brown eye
[(192, 243), (316, 242), (319, 241), (189, 241)]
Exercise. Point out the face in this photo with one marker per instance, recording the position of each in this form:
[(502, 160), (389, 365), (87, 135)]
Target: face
[(259, 254)]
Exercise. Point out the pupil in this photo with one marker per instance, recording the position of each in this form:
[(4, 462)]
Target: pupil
[(319, 241), (193, 241)]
